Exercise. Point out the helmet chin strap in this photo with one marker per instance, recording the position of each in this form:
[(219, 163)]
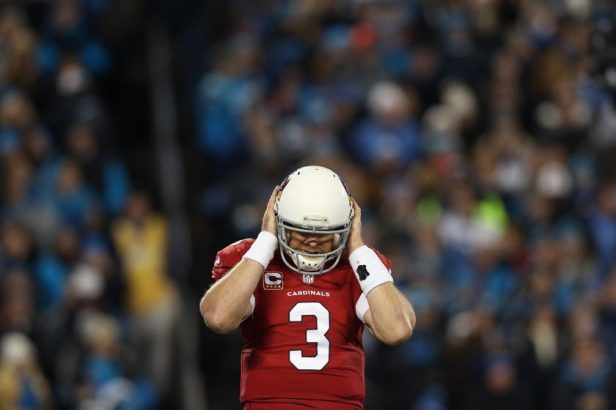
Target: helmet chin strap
[(310, 263)]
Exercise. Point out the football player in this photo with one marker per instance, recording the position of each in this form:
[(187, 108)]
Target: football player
[(302, 310)]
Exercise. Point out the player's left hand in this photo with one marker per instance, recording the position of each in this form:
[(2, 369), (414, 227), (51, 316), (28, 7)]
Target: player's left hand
[(355, 239)]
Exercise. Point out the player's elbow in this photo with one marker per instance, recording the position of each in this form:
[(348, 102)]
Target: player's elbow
[(214, 319), (398, 333), (217, 323), (397, 336)]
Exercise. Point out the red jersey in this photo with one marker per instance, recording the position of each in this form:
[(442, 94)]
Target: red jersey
[(303, 341)]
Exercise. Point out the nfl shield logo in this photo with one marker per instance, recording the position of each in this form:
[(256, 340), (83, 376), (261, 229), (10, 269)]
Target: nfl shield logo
[(308, 279)]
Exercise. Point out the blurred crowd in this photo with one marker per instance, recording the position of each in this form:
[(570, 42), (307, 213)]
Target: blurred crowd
[(479, 138), (86, 309)]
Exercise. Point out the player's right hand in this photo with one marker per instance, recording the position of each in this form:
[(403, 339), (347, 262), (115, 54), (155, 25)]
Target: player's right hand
[(269, 217)]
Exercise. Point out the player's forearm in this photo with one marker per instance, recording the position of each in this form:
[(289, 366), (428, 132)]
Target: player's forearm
[(227, 302), (392, 316)]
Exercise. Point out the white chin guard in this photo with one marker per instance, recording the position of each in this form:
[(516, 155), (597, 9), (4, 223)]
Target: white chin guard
[(310, 263)]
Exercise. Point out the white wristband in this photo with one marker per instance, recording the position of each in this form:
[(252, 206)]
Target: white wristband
[(369, 269), (262, 249)]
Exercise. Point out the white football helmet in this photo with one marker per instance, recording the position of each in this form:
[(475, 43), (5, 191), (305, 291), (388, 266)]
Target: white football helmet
[(313, 199)]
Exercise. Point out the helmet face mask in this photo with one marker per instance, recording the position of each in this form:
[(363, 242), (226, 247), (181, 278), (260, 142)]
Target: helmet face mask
[(313, 201), (311, 263)]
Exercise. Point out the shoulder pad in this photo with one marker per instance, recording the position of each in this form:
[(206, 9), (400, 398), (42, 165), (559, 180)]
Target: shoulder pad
[(386, 261), (230, 256)]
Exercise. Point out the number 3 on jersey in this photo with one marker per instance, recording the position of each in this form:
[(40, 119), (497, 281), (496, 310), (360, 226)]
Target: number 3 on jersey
[(317, 336)]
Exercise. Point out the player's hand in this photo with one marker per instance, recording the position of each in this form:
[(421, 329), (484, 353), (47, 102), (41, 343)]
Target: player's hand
[(269, 217), (355, 239)]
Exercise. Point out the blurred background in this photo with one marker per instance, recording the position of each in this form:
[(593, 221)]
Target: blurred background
[(139, 137)]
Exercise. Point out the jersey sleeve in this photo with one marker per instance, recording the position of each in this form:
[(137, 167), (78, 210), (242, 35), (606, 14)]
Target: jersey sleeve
[(230, 256), (361, 306)]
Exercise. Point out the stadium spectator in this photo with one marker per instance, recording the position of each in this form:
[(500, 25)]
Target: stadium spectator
[(141, 239)]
